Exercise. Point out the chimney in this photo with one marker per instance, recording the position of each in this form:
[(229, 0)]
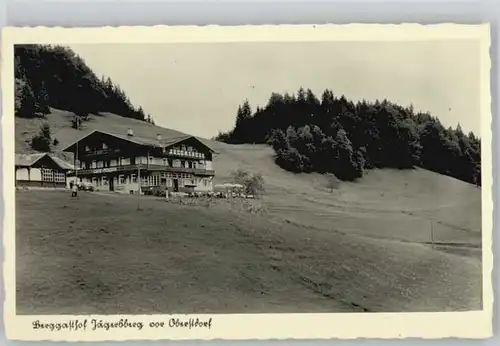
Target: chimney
[(158, 137), (130, 132)]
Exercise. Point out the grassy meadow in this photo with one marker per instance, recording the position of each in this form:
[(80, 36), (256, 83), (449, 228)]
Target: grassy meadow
[(363, 247)]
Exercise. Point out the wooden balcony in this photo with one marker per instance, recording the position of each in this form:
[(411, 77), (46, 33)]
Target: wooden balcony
[(145, 168), (102, 152)]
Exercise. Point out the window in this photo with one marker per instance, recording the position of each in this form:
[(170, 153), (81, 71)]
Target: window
[(104, 181), (87, 149), (134, 178), (93, 164), (47, 174), (104, 146), (205, 182), (121, 179), (59, 177)]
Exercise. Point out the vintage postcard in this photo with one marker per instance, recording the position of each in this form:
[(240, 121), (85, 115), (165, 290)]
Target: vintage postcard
[(253, 182)]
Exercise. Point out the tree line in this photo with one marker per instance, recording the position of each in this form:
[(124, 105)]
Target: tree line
[(332, 134), (55, 76)]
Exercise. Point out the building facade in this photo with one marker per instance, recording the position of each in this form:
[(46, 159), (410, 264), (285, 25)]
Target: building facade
[(117, 162), (41, 170)]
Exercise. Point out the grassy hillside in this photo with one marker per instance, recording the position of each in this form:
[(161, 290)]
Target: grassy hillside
[(60, 123), (363, 246), (384, 203), (169, 258)]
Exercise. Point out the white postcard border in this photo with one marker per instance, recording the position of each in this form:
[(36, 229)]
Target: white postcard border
[(474, 324)]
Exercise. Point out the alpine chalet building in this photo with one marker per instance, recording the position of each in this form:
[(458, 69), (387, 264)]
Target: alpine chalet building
[(41, 170), (116, 162)]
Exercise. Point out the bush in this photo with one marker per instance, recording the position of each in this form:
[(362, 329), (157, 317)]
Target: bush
[(253, 184), (332, 182), (41, 142)]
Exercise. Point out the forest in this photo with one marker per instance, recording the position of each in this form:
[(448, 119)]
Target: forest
[(334, 135), (56, 77)]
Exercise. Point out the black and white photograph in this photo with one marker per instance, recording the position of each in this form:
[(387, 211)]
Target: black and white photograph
[(244, 178)]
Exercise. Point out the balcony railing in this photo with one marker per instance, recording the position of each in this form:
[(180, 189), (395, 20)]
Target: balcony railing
[(168, 153), (102, 152), (186, 154), (145, 167)]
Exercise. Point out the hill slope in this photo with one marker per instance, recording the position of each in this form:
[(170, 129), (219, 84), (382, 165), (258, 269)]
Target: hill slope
[(386, 216), (385, 203), (169, 258)]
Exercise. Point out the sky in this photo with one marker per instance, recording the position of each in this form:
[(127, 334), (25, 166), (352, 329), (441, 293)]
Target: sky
[(196, 87)]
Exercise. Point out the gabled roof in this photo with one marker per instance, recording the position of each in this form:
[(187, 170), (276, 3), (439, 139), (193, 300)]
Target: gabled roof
[(28, 160), (153, 142), (63, 164), (147, 141)]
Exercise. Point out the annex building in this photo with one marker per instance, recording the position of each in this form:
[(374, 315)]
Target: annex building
[(117, 162), (41, 170)]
